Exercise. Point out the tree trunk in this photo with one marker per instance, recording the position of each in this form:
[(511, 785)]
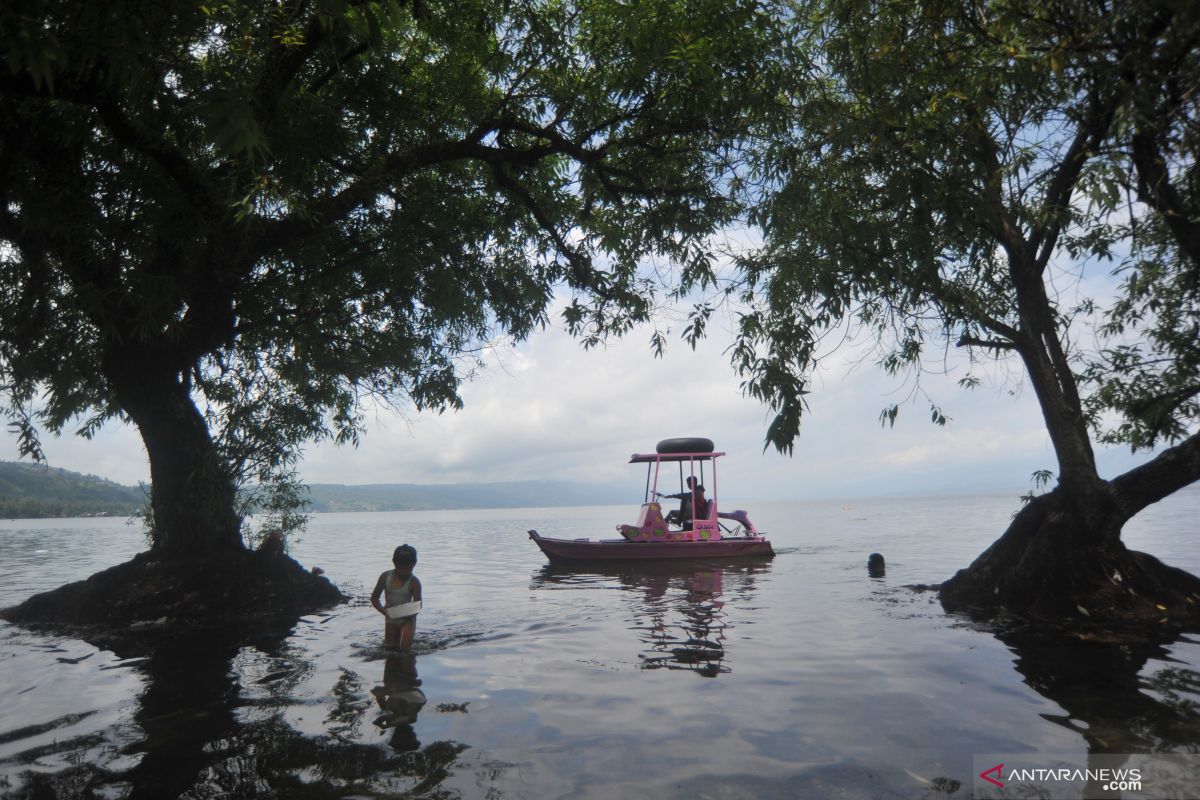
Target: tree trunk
[(192, 494), (1062, 562)]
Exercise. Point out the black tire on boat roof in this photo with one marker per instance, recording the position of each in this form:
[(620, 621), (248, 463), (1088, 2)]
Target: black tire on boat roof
[(687, 444)]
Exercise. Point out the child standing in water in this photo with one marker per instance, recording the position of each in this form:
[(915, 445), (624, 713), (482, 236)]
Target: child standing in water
[(398, 586)]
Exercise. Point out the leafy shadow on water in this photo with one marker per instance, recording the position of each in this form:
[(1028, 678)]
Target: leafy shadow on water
[(198, 742), (678, 607)]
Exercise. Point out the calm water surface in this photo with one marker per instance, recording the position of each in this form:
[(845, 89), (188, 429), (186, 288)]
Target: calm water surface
[(797, 677)]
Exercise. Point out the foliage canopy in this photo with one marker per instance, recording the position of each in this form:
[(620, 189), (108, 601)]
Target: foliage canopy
[(277, 209), (948, 173)]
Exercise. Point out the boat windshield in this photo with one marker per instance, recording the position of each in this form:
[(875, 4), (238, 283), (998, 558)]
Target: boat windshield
[(689, 464)]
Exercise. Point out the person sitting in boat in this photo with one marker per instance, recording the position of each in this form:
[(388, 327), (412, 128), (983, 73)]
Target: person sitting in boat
[(701, 506), (683, 516)]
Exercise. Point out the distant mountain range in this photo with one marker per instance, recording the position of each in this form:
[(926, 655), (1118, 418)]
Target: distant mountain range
[(33, 490), (511, 494)]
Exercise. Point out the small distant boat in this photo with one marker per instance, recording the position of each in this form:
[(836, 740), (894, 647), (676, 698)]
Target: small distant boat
[(697, 530)]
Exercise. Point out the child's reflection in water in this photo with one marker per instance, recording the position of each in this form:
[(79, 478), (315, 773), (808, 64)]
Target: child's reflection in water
[(400, 700)]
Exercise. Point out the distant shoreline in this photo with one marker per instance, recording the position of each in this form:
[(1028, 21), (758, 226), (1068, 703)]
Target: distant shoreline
[(31, 491)]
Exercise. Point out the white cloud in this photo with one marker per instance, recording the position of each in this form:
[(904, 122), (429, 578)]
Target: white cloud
[(972, 445), (577, 415)]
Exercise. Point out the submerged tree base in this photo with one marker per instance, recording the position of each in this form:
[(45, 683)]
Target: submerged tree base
[(1052, 569), (156, 595)]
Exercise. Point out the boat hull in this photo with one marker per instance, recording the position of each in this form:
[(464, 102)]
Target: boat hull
[(566, 550)]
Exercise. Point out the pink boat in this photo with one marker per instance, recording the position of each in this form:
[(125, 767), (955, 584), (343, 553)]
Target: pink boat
[(697, 529)]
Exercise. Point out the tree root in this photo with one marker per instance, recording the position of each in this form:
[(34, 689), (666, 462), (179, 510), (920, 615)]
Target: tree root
[(1052, 571)]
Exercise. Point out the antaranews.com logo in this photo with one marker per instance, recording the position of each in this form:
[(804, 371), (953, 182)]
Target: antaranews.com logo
[(1128, 776)]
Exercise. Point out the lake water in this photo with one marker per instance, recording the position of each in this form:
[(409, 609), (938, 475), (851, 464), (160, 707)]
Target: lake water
[(798, 677)]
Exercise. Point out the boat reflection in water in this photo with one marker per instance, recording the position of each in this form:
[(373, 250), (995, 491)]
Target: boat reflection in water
[(680, 610), (693, 637)]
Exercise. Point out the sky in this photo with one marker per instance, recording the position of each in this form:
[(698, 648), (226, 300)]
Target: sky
[(549, 410)]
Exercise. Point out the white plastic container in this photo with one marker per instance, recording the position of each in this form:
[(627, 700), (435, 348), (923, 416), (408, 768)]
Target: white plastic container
[(404, 610)]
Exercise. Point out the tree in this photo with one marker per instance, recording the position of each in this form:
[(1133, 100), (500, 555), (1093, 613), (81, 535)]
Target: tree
[(230, 223), (946, 169)]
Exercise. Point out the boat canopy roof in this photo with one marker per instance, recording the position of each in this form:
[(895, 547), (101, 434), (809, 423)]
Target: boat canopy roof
[(643, 458), (685, 448)]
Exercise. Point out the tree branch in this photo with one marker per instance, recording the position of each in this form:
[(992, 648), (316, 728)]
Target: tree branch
[(1159, 107), (273, 234), (1093, 126), (991, 344), (1156, 190), (282, 64), (126, 131), (1004, 226), (341, 61), (192, 182), (580, 267), (1170, 471)]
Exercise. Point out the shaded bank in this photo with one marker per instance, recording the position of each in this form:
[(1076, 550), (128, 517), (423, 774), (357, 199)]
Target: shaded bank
[(154, 595)]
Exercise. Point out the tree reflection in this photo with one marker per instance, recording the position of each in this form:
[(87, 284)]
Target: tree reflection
[(678, 607), (1107, 699), (203, 736), (186, 713), (1116, 708)]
